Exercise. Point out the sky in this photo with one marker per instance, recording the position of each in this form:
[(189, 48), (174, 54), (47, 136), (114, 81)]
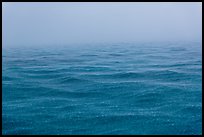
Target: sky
[(33, 24)]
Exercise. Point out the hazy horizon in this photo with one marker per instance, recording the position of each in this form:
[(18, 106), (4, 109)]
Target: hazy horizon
[(38, 24), (102, 69)]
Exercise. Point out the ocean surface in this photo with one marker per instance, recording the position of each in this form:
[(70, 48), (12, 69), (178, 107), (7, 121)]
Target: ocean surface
[(126, 88)]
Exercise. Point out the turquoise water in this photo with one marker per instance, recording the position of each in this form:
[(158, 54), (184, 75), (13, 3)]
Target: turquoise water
[(127, 88)]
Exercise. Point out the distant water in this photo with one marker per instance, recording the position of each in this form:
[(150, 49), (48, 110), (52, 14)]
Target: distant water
[(150, 88)]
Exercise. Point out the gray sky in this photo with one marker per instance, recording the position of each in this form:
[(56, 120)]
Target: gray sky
[(67, 23)]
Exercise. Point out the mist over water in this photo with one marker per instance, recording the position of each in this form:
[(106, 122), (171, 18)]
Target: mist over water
[(45, 24), (102, 68)]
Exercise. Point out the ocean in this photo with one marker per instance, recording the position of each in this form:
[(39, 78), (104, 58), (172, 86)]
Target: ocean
[(125, 88)]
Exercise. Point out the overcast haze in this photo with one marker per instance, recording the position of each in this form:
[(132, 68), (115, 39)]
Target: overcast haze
[(65, 23)]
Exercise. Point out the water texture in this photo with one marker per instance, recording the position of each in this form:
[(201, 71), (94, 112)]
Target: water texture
[(126, 88)]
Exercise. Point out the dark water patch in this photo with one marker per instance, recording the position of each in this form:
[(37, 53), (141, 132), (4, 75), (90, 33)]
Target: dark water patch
[(89, 55)]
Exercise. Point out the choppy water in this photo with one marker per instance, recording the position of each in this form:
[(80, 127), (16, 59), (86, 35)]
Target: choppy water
[(150, 88)]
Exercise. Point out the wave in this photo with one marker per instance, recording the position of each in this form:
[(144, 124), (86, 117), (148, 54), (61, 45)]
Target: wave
[(120, 89)]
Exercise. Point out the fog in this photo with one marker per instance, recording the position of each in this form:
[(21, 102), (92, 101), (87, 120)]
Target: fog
[(32, 24)]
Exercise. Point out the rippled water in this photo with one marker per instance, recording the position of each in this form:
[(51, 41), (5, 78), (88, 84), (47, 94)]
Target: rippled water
[(150, 88)]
